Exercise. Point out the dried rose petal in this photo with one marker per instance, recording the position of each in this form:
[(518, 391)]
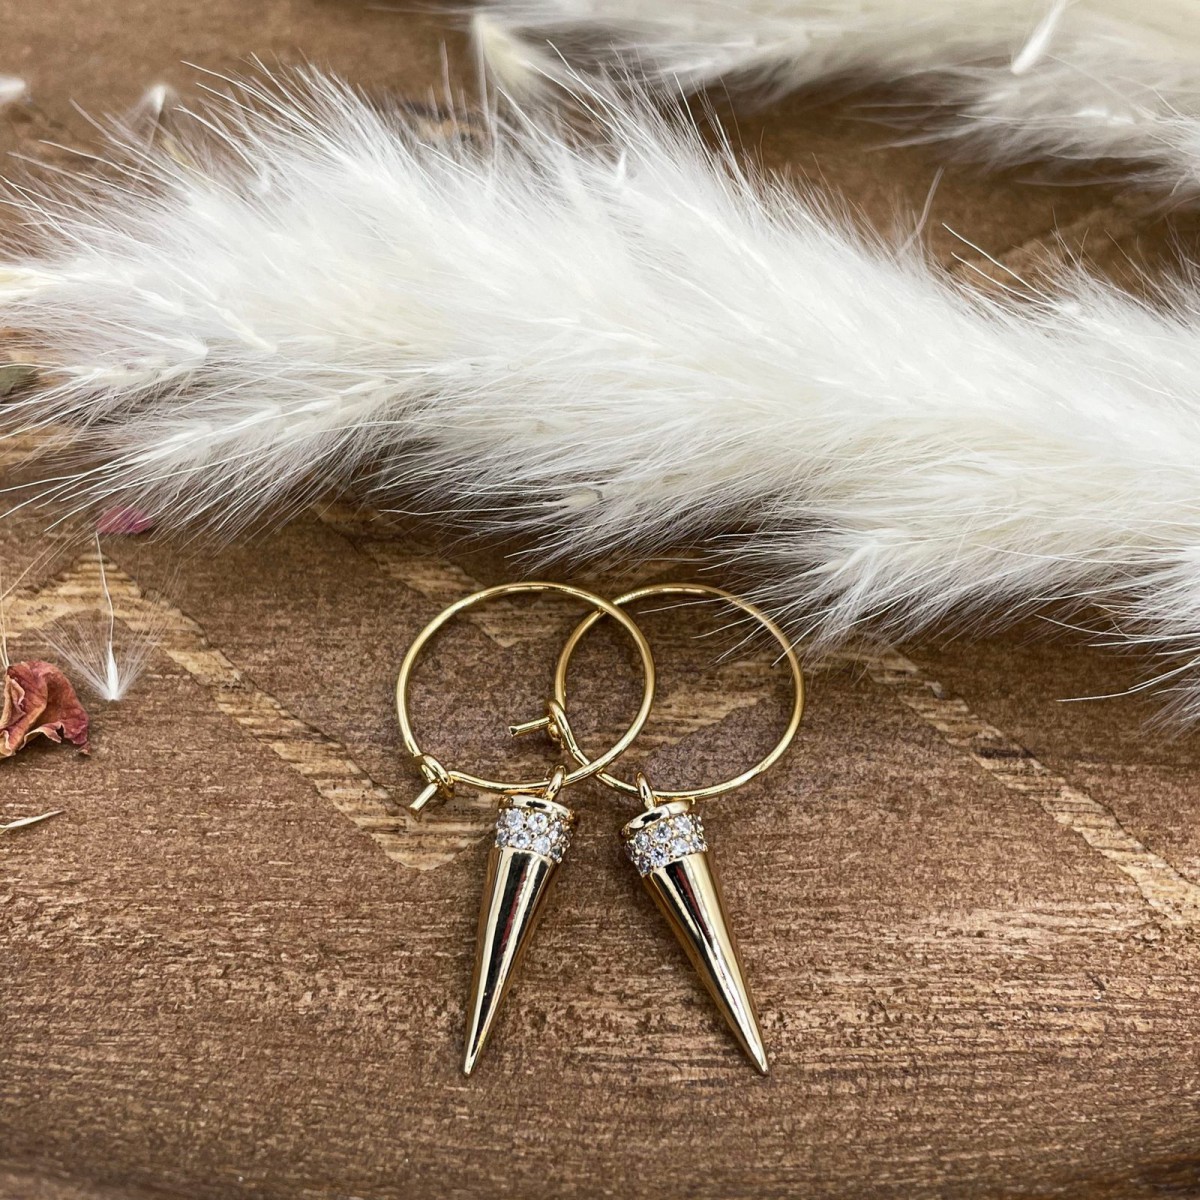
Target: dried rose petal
[(124, 519), (39, 698)]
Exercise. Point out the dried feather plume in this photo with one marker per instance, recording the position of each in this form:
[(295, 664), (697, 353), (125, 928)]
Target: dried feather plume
[(1018, 79), (636, 340)]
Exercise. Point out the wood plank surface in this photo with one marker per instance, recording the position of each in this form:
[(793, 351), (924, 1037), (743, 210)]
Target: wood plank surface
[(234, 967)]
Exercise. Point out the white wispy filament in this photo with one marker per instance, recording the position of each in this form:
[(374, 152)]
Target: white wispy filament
[(623, 344), (1014, 79), (94, 652)]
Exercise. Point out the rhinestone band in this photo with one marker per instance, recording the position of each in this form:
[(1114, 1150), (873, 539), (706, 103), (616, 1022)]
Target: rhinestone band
[(666, 841), (528, 829)]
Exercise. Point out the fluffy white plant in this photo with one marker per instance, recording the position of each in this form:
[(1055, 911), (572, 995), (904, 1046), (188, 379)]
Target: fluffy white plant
[(12, 89), (1019, 79), (624, 344)]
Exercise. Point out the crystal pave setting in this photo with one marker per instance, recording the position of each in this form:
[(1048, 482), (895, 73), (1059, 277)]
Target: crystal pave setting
[(666, 841), (666, 844), (525, 823), (533, 834)]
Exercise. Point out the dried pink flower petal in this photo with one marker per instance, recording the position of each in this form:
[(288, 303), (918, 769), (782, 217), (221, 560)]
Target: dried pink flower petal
[(39, 699)]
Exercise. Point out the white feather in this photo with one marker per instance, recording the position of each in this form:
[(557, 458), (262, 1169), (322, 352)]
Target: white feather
[(626, 344), (1019, 79)]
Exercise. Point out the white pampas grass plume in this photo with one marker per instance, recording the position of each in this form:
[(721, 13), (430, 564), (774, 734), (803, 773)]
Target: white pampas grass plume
[(621, 345), (1017, 79), (768, 46), (96, 654), (519, 67), (12, 89)]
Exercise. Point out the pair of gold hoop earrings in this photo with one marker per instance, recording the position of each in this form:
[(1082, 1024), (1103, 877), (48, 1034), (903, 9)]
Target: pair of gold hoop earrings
[(665, 842)]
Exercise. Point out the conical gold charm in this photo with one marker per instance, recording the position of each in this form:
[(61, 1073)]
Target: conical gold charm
[(667, 846), (532, 835)]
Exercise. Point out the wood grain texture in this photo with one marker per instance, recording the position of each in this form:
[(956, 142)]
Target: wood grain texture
[(234, 968), (207, 952)]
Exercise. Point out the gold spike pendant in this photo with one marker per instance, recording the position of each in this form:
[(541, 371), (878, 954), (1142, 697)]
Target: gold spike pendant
[(533, 834), (667, 846)]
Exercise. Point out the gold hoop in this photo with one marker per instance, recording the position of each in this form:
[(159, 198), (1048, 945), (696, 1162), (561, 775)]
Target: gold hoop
[(681, 589), (439, 780)]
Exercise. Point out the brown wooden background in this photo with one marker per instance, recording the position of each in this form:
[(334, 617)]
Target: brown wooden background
[(233, 968)]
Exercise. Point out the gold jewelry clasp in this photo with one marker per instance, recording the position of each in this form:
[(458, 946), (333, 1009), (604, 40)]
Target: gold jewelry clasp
[(553, 723), (439, 784)]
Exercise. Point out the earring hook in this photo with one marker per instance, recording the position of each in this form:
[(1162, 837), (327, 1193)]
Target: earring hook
[(701, 793), (440, 781)]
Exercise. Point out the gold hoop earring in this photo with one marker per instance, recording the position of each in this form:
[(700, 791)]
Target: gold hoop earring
[(666, 842), (533, 830)]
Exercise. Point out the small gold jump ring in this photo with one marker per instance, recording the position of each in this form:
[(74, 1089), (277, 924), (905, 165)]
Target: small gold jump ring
[(684, 589), (440, 781)]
